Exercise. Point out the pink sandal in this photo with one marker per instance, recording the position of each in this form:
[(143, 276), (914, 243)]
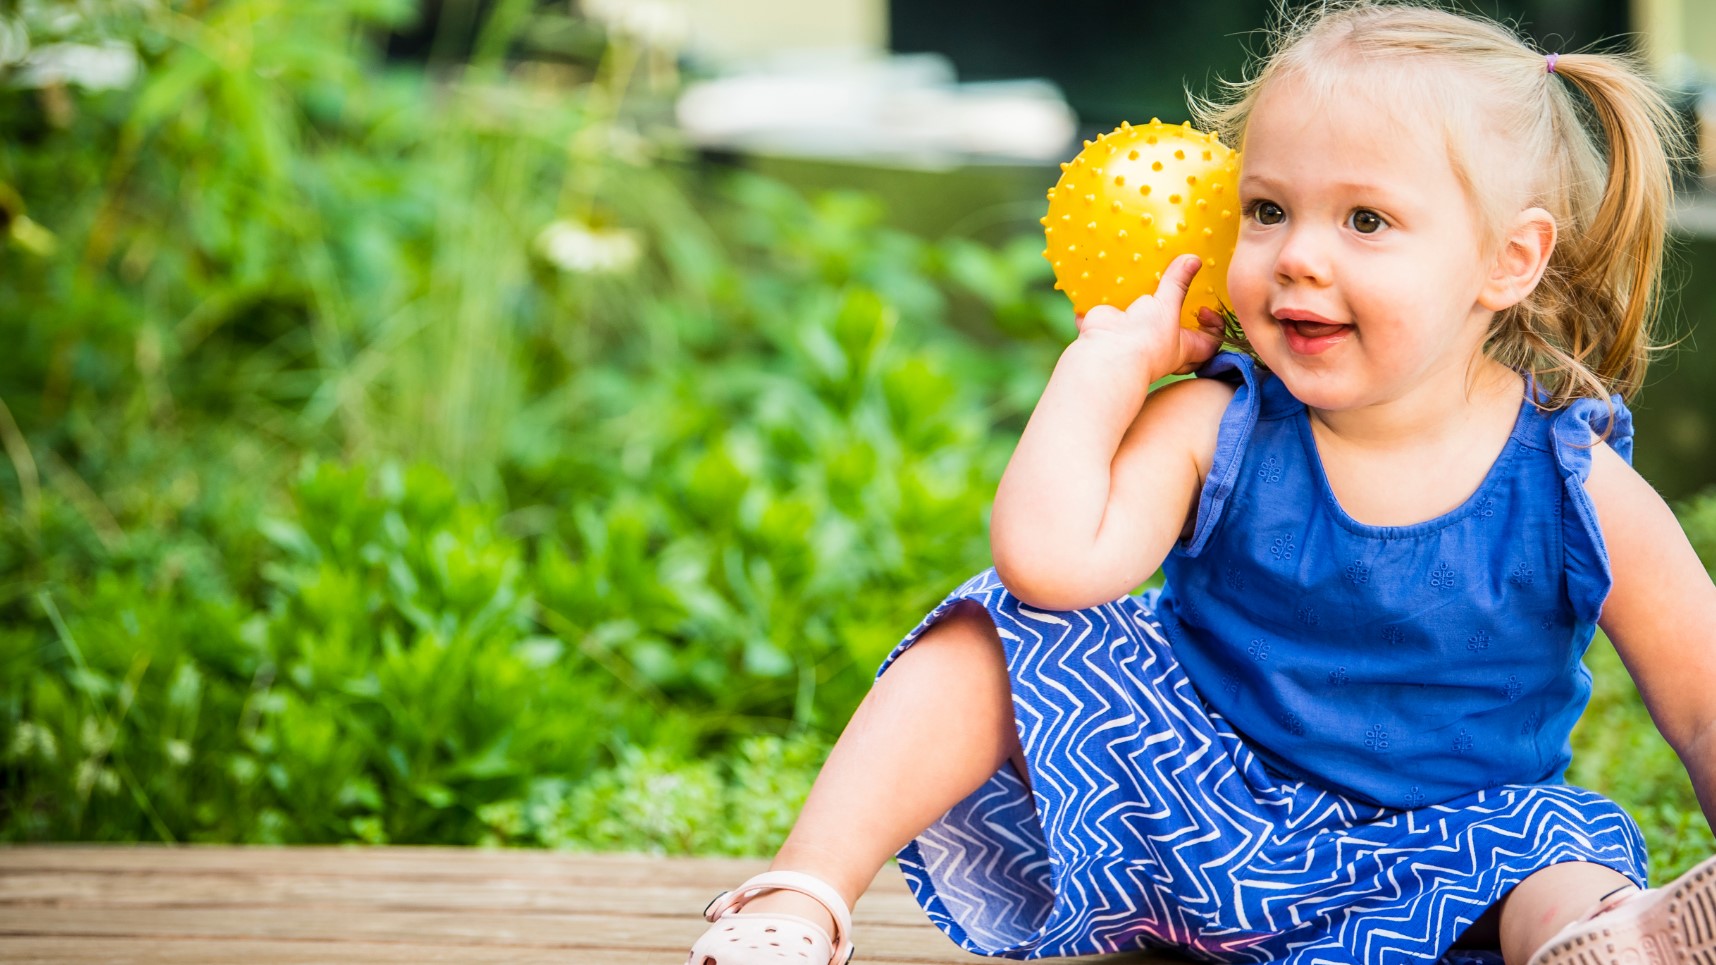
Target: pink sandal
[(758, 937), (1671, 925)]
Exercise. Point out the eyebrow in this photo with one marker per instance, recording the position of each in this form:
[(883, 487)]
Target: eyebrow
[(1358, 187)]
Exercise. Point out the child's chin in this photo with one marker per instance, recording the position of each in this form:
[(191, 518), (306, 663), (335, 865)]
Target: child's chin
[(1322, 390)]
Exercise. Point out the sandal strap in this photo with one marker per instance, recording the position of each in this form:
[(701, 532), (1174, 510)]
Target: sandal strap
[(1610, 901), (730, 902)]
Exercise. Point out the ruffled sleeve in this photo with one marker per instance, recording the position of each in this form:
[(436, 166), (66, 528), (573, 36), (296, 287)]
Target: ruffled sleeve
[(1231, 438), (1576, 430)]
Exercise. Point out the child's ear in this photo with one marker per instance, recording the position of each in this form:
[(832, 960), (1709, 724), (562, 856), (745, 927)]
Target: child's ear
[(1521, 260)]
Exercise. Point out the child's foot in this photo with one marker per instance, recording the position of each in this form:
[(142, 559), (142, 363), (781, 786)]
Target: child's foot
[(788, 918), (1671, 925)]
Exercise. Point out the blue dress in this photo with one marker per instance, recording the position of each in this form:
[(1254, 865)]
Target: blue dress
[(1321, 742)]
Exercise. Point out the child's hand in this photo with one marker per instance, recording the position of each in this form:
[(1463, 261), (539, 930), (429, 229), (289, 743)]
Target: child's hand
[(1150, 327)]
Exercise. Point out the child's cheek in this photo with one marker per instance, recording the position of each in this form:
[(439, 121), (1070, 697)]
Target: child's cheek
[(1247, 281)]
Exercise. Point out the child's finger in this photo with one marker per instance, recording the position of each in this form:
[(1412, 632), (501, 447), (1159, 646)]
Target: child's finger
[(1177, 280), (1210, 321), (1096, 315)]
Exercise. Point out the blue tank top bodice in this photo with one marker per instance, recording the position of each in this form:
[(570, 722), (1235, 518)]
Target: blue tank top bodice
[(1403, 665)]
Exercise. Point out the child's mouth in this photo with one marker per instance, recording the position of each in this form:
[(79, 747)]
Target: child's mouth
[(1307, 337)]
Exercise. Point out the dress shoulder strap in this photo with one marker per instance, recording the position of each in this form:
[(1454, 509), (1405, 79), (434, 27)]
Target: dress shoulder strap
[(1574, 432), (1232, 437)]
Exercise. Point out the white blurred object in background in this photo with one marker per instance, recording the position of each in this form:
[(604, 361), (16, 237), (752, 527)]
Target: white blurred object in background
[(662, 24), (732, 32), (860, 105), (106, 66), (574, 246)]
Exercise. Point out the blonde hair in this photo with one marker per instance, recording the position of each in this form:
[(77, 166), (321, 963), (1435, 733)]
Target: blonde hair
[(1590, 143)]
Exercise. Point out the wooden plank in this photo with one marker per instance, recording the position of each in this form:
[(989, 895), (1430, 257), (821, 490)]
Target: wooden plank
[(267, 905), (391, 861), (884, 903), (328, 923), (110, 951), (37, 951)]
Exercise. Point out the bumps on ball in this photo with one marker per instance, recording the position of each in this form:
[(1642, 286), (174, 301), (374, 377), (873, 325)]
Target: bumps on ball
[(1132, 201)]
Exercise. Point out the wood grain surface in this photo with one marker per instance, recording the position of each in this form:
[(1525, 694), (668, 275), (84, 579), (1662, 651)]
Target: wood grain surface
[(253, 905)]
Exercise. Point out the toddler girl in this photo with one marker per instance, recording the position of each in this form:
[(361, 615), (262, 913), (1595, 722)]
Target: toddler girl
[(1388, 530)]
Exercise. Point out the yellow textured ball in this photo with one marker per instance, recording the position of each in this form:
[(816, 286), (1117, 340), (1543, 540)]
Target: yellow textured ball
[(1133, 200)]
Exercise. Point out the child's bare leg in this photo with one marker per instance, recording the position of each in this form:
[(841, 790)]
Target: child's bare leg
[(1540, 905), (933, 729)]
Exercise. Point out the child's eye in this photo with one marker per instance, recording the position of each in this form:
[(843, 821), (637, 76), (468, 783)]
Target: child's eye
[(1265, 212), (1366, 222)]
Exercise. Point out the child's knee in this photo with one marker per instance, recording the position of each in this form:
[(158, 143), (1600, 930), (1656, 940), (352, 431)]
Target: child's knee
[(967, 626), (961, 649)]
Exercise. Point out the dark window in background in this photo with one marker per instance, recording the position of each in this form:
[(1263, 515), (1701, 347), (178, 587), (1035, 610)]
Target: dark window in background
[(1130, 59)]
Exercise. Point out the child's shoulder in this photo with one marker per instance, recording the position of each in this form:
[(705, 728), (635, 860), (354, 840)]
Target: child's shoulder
[(1190, 412), (1200, 401), (1612, 482)]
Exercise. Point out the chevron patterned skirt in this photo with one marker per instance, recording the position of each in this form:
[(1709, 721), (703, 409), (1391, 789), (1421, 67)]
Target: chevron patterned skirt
[(1149, 824)]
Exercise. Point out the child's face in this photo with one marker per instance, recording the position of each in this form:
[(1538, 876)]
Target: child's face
[(1360, 257)]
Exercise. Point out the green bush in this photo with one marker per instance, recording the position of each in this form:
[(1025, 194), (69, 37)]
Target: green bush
[(1698, 517), (665, 508), (389, 680), (653, 800)]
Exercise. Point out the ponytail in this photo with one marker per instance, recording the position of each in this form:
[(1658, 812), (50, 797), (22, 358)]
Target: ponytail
[(1590, 327)]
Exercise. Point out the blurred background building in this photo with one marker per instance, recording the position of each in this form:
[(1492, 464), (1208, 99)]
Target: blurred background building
[(1110, 60), (953, 83)]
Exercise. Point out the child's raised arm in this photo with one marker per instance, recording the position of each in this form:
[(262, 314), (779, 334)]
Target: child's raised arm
[(1661, 615), (1104, 480)]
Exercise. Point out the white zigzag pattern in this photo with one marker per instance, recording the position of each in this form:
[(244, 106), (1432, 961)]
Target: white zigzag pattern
[(1154, 825)]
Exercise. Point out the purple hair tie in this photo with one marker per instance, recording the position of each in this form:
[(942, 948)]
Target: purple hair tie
[(1552, 58)]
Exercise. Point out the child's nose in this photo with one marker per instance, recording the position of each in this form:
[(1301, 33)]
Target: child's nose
[(1303, 257)]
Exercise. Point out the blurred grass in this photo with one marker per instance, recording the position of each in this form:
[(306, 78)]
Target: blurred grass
[(449, 458)]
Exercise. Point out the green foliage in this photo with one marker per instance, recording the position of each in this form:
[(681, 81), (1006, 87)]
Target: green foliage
[(391, 678), (653, 800), (1698, 517), (686, 450)]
